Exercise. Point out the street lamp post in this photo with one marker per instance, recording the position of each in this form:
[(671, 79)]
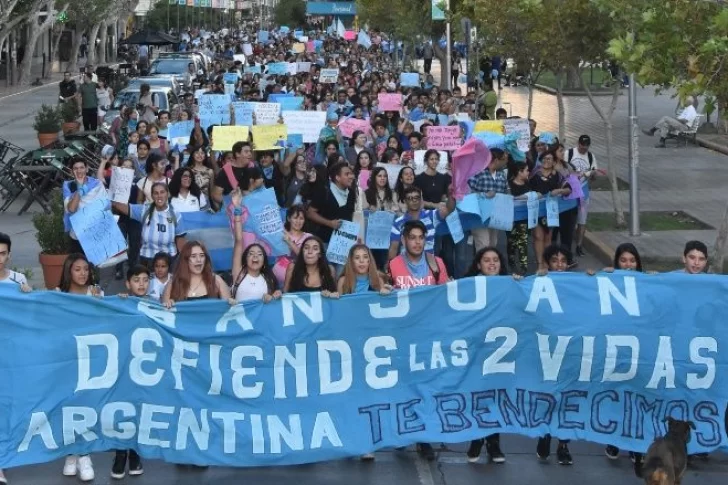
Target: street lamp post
[(448, 47), (634, 160)]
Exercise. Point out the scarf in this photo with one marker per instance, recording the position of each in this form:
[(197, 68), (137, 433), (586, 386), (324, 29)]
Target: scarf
[(418, 269), (362, 284), (341, 195)]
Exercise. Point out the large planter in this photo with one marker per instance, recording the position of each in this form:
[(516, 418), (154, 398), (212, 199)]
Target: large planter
[(46, 139), (69, 127), (52, 265)]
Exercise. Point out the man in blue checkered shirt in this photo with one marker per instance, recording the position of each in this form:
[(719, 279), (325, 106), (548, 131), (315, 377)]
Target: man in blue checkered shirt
[(489, 182)]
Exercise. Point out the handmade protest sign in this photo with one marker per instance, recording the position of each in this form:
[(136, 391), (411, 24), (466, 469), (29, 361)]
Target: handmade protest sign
[(532, 207), (120, 186), (342, 239), (264, 220), (263, 36), (485, 206), (230, 77), (529, 357), (349, 35), (419, 162), (389, 101), (270, 137), (349, 125), (306, 123), (97, 231), (379, 229), (493, 126), (178, 133), (552, 211), (409, 79), (501, 217), (224, 137), (521, 128), (277, 68), (443, 138), (298, 48), (257, 69), (292, 69), (267, 113), (214, 109), (303, 67), (294, 141), (329, 76), (243, 112), (290, 103)]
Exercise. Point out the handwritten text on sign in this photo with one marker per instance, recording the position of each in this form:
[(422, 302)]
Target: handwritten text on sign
[(444, 137), (308, 379)]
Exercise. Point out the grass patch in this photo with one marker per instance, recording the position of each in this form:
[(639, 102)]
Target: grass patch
[(595, 78), (649, 221), (601, 184)]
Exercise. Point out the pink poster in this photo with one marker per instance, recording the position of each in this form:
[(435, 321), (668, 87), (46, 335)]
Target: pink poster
[(443, 137), (390, 101), (350, 125), (349, 35), (310, 46), (471, 158), (364, 178)]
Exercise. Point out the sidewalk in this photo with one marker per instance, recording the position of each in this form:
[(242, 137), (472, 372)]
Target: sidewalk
[(36, 71)]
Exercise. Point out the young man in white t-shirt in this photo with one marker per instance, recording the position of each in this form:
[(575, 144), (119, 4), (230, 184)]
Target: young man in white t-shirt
[(584, 163), (8, 275)]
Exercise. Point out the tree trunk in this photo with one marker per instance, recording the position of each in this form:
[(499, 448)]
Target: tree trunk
[(720, 243), (441, 56), (91, 59), (530, 100), (55, 41), (103, 35), (573, 80), (560, 103), (35, 32), (75, 48), (608, 131)]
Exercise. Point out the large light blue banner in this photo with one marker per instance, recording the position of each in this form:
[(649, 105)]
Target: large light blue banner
[(305, 379)]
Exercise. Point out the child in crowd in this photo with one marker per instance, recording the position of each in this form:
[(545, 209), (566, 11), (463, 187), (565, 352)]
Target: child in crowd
[(161, 264)]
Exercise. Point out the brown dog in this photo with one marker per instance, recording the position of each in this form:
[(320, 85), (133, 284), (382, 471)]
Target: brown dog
[(667, 457)]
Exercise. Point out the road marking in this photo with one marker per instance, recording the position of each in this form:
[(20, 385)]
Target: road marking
[(424, 472), (36, 88)]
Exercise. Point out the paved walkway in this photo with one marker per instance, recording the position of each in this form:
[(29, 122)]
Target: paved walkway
[(691, 179)]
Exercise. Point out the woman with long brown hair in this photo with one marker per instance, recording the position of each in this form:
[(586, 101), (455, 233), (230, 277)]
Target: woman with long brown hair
[(360, 273), (194, 278)]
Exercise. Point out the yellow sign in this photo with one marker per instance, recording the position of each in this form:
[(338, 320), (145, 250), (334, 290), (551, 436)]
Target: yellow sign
[(299, 48), (269, 137), (224, 137), (493, 126)]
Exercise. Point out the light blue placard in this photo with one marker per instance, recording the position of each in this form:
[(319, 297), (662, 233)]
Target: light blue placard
[(294, 141), (489, 355), (284, 29), (485, 206), (264, 220), (379, 229), (180, 129), (409, 79), (290, 103), (443, 120), (97, 231), (277, 68), (214, 109), (243, 111), (470, 204), (552, 211), (341, 242), (230, 78), (253, 69), (532, 207), (453, 224), (263, 36), (501, 217), (276, 97)]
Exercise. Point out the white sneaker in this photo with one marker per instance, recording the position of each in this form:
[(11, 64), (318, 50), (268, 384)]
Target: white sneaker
[(69, 468), (85, 468), (2, 477)]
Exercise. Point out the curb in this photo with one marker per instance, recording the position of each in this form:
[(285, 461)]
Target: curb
[(712, 145), (598, 248), (550, 90), (48, 83)]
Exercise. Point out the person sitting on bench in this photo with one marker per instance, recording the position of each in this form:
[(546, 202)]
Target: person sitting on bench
[(668, 123)]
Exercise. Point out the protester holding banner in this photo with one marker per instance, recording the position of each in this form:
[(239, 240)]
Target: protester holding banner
[(80, 191), (159, 221), (194, 279), (311, 271), (253, 278), (360, 275)]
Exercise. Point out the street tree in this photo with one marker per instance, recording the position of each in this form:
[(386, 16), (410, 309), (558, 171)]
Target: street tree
[(290, 12)]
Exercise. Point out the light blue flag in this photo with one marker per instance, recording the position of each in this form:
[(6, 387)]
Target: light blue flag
[(470, 204), (264, 220), (97, 231), (501, 218), (379, 229), (230, 78), (290, 103), (489, 355), (213, 230), (180, 129), (491, 140), (552, 211), (253, 69), (284, 29), (263, 36), (294, 141), (341, 242), (532, 207), (486, 207), (456, 229), (363, 39)]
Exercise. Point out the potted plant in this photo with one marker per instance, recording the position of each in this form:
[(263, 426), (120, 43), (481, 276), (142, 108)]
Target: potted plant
[(710, 104), (69, 115), (47, 123), (54, 241)]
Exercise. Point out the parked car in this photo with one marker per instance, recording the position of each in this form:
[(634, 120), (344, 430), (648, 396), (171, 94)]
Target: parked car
[(163, 97), (167, 81)]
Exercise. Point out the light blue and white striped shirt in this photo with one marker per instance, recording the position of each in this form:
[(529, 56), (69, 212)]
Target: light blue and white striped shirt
[(158, 231)]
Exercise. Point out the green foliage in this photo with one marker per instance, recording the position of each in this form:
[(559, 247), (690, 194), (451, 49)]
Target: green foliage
[(69, 112), (47, 119), (290, 12), (50, 232)]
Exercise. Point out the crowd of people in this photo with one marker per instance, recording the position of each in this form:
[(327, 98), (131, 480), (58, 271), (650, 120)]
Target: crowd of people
[(333, 180)]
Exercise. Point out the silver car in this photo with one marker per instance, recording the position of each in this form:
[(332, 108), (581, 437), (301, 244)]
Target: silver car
[(162, 81), (163, 97)]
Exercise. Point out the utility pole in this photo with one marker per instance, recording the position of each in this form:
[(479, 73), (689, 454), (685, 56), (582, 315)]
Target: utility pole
[(634, 160), (448, 46)]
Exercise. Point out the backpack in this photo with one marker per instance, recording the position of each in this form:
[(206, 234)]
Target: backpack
[(570, 155), (434, 267)]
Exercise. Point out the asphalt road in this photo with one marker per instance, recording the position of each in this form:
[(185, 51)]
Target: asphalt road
[(401, 467)]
